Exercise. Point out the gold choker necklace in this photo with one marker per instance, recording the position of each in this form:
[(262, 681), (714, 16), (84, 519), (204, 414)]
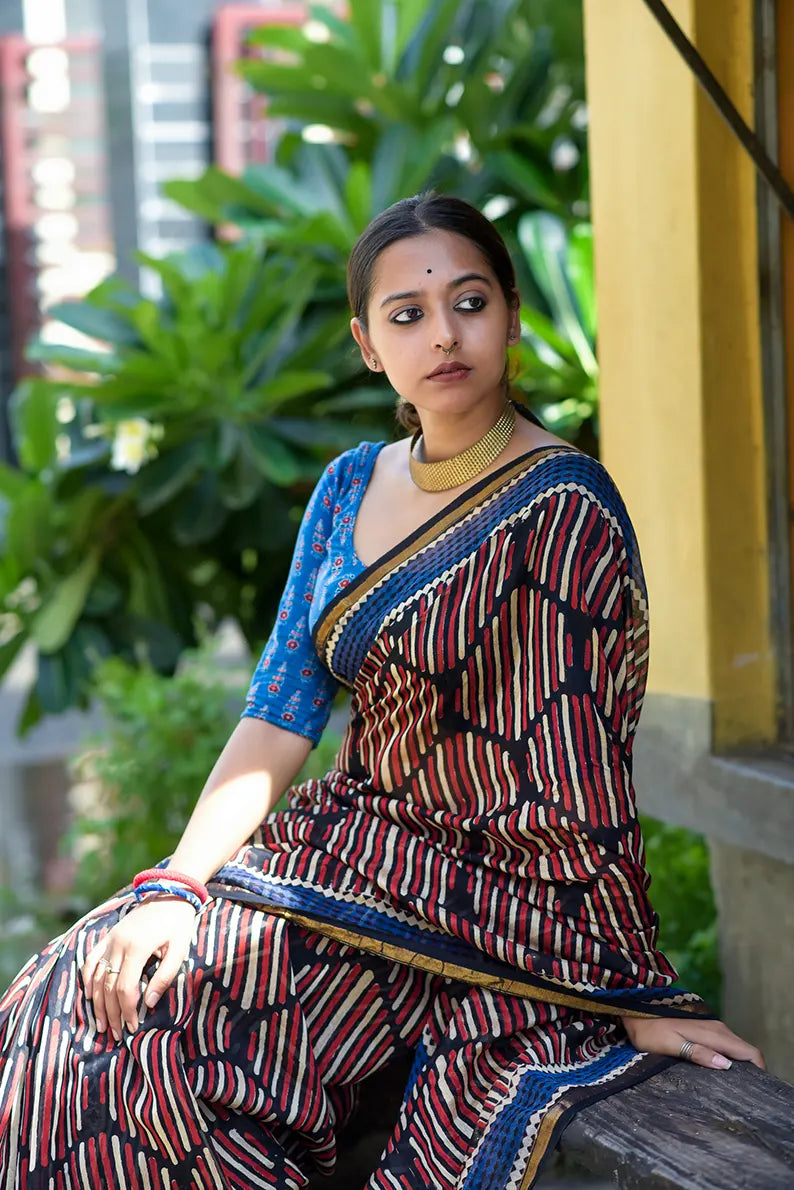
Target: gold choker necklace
[(450, 473)]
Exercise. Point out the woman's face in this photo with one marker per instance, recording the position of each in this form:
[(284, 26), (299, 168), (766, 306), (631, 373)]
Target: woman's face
[(429, 292)]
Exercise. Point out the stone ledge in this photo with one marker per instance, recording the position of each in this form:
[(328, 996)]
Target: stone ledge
[(678, 780)]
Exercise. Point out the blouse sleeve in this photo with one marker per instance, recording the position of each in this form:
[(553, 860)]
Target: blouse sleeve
[(290, 686)]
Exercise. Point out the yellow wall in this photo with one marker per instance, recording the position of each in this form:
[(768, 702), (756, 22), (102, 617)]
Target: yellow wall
[(785, 68), (674, 208)]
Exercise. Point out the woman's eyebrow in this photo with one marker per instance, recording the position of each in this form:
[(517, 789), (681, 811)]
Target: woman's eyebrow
[(415, 293)]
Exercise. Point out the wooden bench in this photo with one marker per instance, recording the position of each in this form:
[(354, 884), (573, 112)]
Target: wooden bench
[(687, 1128), (690, 1128)]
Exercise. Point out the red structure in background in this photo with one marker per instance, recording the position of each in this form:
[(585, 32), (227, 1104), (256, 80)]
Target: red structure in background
[(56, 216), (53, 160), (242, 132)]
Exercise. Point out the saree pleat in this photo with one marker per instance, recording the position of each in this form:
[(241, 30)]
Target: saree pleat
[(469, 873)]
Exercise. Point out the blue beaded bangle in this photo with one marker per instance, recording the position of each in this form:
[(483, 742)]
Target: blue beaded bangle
[(175, 890)]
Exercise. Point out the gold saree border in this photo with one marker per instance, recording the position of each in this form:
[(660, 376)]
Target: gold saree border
[(434, 527), (413, 958), (549, 1131)]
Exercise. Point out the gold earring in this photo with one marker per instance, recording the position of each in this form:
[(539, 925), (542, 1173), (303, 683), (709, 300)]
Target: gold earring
[(374, 363)]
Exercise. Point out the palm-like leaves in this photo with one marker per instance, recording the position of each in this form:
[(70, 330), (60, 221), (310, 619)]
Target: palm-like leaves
[(227, 366), (459, 88), (559, 370)]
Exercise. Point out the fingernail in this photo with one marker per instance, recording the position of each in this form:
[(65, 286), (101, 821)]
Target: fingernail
[(718, 1060), (101, 1025), (151, 999), (117, 1035)]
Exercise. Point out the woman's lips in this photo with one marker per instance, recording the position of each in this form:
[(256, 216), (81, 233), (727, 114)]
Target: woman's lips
[(451, 374)]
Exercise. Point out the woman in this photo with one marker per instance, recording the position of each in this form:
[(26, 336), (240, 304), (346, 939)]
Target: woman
[(466, 883)]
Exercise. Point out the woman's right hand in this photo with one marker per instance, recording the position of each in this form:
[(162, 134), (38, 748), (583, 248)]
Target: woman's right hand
[(162, 927)]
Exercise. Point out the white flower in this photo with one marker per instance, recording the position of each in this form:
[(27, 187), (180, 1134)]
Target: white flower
[(26, 596), (65, 410), (10, 626), (316, 31), (564, 154), (463, 148), (133, 444), (453, 55)]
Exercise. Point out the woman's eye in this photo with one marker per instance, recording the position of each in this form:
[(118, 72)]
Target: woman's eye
[(410, 314), (469, 304)]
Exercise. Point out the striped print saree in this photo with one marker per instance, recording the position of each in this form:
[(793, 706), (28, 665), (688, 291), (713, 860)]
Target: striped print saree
[(479, 821), (466, 884)]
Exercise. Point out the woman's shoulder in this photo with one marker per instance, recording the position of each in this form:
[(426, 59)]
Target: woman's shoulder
[(589, 475), (583, 482), (347, 468)]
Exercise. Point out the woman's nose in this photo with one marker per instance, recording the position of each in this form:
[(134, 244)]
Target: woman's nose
[(443, 334)]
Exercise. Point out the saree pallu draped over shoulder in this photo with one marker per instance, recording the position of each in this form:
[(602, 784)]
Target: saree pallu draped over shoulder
[(479, 822)]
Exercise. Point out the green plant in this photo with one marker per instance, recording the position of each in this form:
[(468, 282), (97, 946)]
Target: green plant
[(161, 473), (162, 738), (558, 369), (28, 920), (678, 862), (483, 100), (462, 94)]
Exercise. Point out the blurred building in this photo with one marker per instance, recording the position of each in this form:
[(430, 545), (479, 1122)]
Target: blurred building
[(100, 103)]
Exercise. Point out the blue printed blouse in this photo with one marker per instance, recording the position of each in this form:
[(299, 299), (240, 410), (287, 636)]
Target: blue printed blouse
[(290, 686)]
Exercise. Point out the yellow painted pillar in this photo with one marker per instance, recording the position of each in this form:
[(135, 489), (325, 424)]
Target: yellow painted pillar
[(674, 209)]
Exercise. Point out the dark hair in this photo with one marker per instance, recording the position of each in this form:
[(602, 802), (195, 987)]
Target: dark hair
[(414, 217)]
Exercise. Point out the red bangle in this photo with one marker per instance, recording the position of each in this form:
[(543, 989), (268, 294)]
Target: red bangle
[(177, 877)]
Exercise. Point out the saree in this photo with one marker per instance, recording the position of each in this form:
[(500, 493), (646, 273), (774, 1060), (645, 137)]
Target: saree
[(465, 884), (479, 822)]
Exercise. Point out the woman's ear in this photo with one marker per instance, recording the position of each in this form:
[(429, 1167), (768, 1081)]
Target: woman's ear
[(367, 354)]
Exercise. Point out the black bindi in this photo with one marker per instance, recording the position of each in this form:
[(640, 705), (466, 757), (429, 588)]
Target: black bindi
[(429, 270)]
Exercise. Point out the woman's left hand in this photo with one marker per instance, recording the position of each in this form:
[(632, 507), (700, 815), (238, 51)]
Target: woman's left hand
[(715, 1043)]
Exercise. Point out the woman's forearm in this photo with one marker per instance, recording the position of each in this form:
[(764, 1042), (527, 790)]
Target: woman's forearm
[(257, 765)]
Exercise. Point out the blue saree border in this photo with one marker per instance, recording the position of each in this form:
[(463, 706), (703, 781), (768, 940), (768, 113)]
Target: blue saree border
[(381, 586), (371, 930)]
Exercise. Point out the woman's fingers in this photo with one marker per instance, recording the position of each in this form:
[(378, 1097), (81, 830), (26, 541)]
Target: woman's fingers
[(128, 989), (113, 970), (725, 1041), (164, 976), (92, 961), (704, 1055), (110, 994), (98, 991), (715, 1045), (718, 1047)]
